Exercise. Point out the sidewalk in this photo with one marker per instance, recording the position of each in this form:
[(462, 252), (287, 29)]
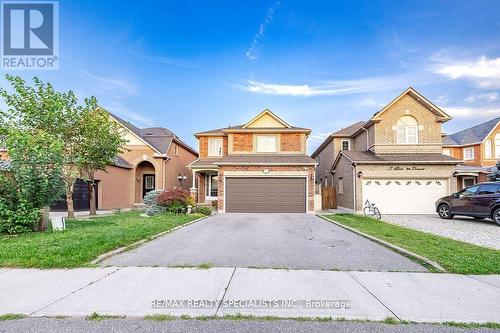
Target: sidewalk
[(130, 291)]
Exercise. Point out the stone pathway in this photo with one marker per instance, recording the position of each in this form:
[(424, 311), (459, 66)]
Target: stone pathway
[(483, 233)]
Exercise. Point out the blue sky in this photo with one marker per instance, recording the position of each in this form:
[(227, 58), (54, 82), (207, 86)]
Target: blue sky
[(198, 65)]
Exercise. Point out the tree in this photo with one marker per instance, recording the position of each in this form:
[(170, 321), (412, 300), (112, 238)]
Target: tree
[(32, 180), (42, 108), (495, 173), (101, 141)]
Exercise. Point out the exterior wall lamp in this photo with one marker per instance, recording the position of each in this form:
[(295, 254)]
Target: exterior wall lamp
[(181, 178), (360, 174), (455, 174)]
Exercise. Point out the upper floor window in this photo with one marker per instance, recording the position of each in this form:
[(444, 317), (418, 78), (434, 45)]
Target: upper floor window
[(267, 143), (497, 145), (176, 150), (407, 130), (468, 153), (488, 149), (215, 147), (346, 145), (447, 152)]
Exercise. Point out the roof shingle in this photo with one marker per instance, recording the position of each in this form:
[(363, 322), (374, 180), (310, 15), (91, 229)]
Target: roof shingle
[(472, 135)]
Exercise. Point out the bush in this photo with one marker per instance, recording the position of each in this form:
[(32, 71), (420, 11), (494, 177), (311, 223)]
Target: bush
[(207, 211), (174, 200), (155, 209), (150, 197)]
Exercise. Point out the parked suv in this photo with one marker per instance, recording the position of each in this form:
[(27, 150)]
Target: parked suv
[(479, 201)]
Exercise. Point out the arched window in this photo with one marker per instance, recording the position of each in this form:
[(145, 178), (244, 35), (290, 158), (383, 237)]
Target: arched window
[(407, 130), (497, 145)]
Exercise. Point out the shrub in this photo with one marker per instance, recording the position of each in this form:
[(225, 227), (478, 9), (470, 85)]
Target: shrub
[(151, 197), (155, 209), (207, 211), (175, 200), (191, 202)]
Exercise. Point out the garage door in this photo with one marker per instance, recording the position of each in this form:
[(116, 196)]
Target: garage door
[(404, 196), (265, 195)]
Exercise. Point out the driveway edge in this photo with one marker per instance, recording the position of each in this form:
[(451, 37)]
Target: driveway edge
[(122, 249), (393, 247)]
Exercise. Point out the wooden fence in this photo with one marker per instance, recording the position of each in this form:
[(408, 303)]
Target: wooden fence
[(328, 197)]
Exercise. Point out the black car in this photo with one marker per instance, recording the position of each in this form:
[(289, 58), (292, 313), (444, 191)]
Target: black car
[(479, 201)]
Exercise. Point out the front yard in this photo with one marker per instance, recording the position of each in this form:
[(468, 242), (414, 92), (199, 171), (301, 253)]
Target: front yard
[(454, 256), (83, 240)]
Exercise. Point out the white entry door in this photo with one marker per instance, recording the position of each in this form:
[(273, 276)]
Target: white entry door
[(404, 196)]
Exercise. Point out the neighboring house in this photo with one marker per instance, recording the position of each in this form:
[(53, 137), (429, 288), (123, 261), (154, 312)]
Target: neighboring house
[(153, 158), (325, 154), (479, 147), (261, 166), (395, 159)]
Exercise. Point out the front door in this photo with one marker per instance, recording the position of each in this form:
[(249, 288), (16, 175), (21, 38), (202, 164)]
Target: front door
[(148, 184)]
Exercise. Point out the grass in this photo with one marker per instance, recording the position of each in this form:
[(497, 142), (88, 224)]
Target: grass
[(11, 316), (98, 317), (160, 317), (83, 240), (455, 256)]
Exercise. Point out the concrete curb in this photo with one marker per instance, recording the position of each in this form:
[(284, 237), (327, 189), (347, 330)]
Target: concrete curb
[(142, 241), (389, 245)]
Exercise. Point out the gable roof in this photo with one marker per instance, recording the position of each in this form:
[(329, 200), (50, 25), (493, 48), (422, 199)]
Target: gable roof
[(269, 113), (348, 132), (244, 128), (473, 135), (158, 138), (443, 116)]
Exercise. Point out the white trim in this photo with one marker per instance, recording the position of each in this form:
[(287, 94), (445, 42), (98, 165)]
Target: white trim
[(466, 149), (208, 187), (471, 177), (267, 111), (491, 132), (342, 144), (138, 137), (220, 149)]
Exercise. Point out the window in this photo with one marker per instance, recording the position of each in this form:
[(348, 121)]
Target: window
[(176, 150), (468, 153), (489, 189), (341, 186), (497, 145), (407, 130), (346, 144), (149, 182), (267, 143), (447, 152), (212, 185), (215, 147), (469, 191), (468, 181), (488, 149)]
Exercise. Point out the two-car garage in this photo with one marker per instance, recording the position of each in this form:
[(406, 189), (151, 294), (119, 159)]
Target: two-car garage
[(266, 194)]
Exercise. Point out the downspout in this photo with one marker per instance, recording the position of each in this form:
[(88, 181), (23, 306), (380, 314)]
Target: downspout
[(353, 166)]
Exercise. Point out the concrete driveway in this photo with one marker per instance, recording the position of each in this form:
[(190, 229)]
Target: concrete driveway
[(466, 229), (297, 241)]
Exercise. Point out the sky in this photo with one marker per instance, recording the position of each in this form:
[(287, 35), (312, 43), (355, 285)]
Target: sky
[(192, 66)]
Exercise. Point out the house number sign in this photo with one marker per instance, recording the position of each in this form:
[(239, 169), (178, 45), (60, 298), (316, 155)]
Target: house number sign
[(412, 168)]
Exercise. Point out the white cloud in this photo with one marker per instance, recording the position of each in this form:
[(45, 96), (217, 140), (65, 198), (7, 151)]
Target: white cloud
[(320, 137), (134, 117), (329, 88), (484, 72), (252, 50), (467, 112), (110, 85), (162, 59), (489, 97)]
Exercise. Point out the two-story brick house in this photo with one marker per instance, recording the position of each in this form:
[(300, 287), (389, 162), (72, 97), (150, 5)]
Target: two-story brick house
[(478, 147), (395, 159), (261, 166)]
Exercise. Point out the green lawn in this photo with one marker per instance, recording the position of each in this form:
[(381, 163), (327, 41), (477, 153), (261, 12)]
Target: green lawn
[(83, 240), (454, 256)]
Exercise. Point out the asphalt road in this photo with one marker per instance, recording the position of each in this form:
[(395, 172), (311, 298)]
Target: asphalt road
[(51, 325), (296, 241)]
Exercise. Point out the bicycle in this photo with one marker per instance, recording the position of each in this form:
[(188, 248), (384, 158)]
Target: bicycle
[(371, 210)]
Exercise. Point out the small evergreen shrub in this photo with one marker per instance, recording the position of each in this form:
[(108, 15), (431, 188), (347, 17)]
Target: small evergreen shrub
[(207, 211), (150, 197), (155, 209)]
